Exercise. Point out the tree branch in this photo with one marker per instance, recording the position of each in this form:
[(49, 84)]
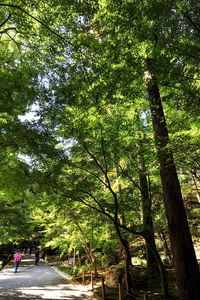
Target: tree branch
[(191, 21), (89, 172), (6, 20), (7, 29), (96, 201), (102, 170), (40, 22), (103, 150)]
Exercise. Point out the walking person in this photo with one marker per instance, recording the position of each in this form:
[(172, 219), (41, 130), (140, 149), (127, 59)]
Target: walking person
[(17, 259), (37, 256)]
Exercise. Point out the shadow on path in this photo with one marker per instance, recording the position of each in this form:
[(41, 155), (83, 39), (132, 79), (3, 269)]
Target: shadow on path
[(15, 294), (37, 282)]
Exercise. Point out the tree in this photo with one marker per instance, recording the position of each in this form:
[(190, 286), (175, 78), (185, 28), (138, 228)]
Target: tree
[(171, 188), (108, 44)]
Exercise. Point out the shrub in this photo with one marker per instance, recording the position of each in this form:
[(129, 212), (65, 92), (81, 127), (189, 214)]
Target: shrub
[(66, 268)]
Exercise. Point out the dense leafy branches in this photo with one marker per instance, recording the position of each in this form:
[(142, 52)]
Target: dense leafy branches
[(82, 64)]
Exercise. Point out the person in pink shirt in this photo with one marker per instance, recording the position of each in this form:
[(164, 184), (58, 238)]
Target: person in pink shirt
[(17, 259)]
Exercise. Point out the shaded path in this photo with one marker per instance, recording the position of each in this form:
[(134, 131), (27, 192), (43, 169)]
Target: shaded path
[(37, 282)]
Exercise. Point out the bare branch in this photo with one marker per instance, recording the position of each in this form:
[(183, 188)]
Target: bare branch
[(91, 173), (126, 173), (6, 20), (7, 29), (95, 200), (102, 170)]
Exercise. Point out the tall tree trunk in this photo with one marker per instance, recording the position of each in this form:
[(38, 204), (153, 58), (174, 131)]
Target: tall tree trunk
[(163, 275), (127, 259), (94, 262), (152, 267), (90, 255), (74, 257), (186, 267), (154, 262), (167, 249), (124, 241)]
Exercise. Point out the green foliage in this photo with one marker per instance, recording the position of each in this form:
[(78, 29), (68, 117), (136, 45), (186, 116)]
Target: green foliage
[(67, 269), (82, 63)]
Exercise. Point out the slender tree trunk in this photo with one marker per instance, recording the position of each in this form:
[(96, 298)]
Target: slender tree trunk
[(127, 259), (90, 255), (196, 188), (94, 262), (186, 267), (124, 241), (154, 262), (167, 249), (128, 264), (163, 274), (89, 249), (74, 257), (152, 267)]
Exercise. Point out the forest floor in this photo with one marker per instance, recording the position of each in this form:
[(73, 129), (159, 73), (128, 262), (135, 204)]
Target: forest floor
[(153, 292)]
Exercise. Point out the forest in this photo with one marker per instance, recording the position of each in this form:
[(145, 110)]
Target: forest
[(99, 137)]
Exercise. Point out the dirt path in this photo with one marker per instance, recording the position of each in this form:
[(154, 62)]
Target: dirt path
[(38, 282)]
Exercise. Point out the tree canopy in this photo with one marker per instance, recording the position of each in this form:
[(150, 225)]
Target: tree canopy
[(99, 110)]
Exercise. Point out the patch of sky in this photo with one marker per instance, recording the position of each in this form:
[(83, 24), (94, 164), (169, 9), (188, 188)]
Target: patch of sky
[(66, 145), (31, 115), (17, 62), (43, 81), (31, 161), (144, 117)]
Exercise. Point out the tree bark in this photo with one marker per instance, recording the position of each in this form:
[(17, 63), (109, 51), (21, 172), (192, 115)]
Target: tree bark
[(127, 259), (154, 263), (167, 249), (185, 262), (74, 257), (152, 267), (163, 274), (123, 240)]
